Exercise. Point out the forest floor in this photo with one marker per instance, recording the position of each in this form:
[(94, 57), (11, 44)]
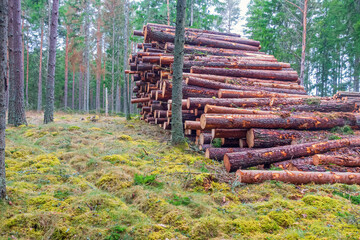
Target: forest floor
[(118, 179)]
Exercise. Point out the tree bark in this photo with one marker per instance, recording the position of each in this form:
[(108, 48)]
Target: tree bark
[(3, 86), (228, 133), (218, 153), (300, 122), (39, 100), (250, 73), (113, 66), (86, 59), (266, 138), (80, 89), (27, 75), (177, 134), (50, 83), (303, 44), (231, 110), (17, 112), (258, 93), (168, 12), (126, 85), (98, 63), (235, 161), (66, 67), (297, 177), (73, 89)]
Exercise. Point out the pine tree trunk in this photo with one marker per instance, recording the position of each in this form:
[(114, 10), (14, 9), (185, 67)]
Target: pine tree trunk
[(27, 75), (356, 73), (168, 12), (80, 89), (87, 64), (98, 65), (39, 100), (17, 114), (50, 83), (11, 79), (303, 47), (126, 29), (66, 67), (117, 99), (3, 86), (177, 134), (191, 13), (112, 67), (73, 90)]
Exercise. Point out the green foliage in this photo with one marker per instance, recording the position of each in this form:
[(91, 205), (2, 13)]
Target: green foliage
[(116, 233), (216, 142), (177, 201), (147, 180), (355, 199), (334, 137), (346, 130)]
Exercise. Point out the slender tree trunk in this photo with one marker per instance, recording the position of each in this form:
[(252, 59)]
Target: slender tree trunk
[(66, 66), (73, 90), (126, 29), (168, 12), (356, 73), (11, 63), (117, 99), (113, 66), (27, 75), (80, 89), (177, 133), (87, 66), (104, 76), (98, 65), (303, 48), (50, 83), (106, 102), (3, 86), (17, 114), (191, 13), (39, 101)]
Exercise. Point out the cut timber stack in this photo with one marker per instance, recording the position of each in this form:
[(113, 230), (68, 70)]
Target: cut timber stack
[(247, 104)]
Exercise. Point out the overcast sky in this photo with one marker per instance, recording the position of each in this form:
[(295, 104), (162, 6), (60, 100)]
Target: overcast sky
[(239, 27)]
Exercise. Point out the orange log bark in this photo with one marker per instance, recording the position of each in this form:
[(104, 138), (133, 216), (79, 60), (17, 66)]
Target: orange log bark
[(297, 177), (228, 133), (218, 153), (235, 161)]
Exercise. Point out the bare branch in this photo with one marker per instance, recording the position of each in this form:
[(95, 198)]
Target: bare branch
[(295, 5)]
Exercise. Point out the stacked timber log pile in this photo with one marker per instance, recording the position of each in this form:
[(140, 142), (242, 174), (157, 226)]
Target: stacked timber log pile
[(243, 107)]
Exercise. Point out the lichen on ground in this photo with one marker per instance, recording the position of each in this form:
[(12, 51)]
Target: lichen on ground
[(117, 179)]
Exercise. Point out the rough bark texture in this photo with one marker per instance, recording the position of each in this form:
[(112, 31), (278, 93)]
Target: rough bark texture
[(235, 161), (228, 133), (265, 138), (39, 100), (126, 79), (66, 67), (177, 134), (73, 90), (3, 86), (303, 44), (10, 32), (86, 58), (250, 73), (298, 122), (50, 83), (297, 177), (17, 112), (218, 153), (98, 63)]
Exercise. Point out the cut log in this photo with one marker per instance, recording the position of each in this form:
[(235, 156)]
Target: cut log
[(297, 122), (138, 33), (193, 125), (255, 102), (162, 36), (235, 161), (228, 133), (344, 160), (230, 93), (140, 100), (190, 49), (231, 110), (250, 73), (218, 153), (205, 138), (248, 64), (204, 147), (266, 138), (297, 177), (257, 92)]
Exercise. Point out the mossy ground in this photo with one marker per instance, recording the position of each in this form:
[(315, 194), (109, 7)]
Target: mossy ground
[(113, 179)]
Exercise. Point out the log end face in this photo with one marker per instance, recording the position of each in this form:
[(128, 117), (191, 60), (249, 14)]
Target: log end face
[(203, 121), (227, 163), (207, 153), (250, 138)]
